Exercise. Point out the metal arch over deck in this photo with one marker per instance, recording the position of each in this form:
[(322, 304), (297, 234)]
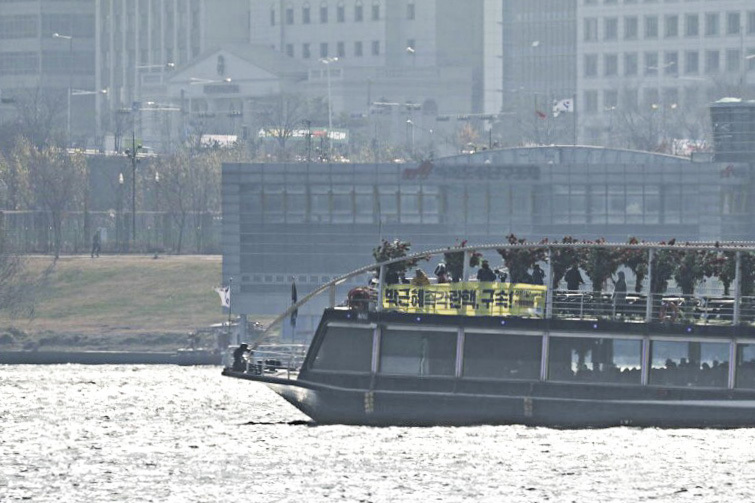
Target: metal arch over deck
[(561, 154), (736, 247)]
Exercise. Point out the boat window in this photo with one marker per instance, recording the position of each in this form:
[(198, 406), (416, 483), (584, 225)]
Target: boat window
[(495, 356), (595, 360), (746, 366), (683, 363), (418, 353), (345, 349)]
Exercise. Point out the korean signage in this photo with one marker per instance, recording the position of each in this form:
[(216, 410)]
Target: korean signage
[(467, 299)]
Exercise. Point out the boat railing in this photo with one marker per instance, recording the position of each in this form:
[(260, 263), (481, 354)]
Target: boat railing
[(583, 304)]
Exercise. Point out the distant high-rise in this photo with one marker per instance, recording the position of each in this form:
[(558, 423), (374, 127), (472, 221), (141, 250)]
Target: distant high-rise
[(539, 66), (647, 70), (388, 44), (37, 67), (139, 41)]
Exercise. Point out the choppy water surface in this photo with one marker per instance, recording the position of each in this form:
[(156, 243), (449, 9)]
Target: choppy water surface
[(120, 433)]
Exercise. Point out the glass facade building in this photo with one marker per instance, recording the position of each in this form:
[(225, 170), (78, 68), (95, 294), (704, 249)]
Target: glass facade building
[(313, 222)]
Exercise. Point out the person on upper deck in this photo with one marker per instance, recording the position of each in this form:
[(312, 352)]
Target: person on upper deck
[(420, 278), (485, 273), (441, 273), (620, 290), (573, 278), (538, 275)]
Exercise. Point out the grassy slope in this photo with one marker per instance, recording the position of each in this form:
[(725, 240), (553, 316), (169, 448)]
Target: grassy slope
[(116, 301)]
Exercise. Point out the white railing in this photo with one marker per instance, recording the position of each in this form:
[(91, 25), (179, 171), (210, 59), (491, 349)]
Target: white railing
[(584, 304)]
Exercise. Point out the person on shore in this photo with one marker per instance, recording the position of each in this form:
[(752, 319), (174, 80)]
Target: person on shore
[(96, 244), (573, 278), (485, 274)]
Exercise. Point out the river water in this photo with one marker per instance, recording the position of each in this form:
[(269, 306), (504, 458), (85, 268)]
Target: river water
[(179, 434)]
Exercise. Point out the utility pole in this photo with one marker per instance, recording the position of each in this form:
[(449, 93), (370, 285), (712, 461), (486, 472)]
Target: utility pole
[(132, 153)]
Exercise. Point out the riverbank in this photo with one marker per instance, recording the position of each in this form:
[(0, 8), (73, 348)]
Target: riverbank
[(123, 303)]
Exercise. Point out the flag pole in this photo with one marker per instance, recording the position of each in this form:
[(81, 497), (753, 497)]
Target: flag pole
[(574, 111), (230, 300)]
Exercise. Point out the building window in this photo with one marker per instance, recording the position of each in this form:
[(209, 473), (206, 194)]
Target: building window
[(610, 65), (272, 16), (671, 24), (671, 63), (290, 50), (651, 26), (712, 62), (691, 62), (376, 48), (733, 60), (358, 49), (610, 99), (591, 101), (359, 12), (289, 15), (631, 27), (691, 25), (410, 11), (651, 63), (341, 13), (591, 65), (630, 64), (324, 50), (591, 29), (323, 13), (711, 24), (341, 50), (305, 51), (611, 28), (375, 11), (733, 24), (306, 14)]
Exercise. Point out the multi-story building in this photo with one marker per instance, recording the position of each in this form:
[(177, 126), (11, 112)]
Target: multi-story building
[(539, 67), (443, 54), (38, 67), (139, 42), (647, 69)]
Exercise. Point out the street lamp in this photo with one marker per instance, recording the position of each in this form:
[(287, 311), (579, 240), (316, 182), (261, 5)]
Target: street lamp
[(327, 62), (131, 154), (70, 80)]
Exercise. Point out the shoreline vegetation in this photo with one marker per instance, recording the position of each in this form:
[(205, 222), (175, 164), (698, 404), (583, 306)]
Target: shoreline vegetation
[(116, 303)]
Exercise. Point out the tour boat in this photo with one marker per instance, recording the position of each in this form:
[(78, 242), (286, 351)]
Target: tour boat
[(499, 353)]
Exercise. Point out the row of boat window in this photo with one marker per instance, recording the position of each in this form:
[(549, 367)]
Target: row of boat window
[(518, 357)]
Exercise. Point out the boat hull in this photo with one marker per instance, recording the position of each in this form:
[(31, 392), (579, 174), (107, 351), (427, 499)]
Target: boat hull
[(327, 404)]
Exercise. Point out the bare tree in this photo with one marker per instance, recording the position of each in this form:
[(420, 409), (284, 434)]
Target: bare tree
[(281, 116), (175, 189), (40, 113), (56, 178)]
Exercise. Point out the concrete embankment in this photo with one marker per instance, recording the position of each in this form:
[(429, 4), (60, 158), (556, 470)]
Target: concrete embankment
[(180, 357)]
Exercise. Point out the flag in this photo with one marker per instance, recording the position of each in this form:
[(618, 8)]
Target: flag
[(225, 296), (294, 297), (540, 114), (566, 105)]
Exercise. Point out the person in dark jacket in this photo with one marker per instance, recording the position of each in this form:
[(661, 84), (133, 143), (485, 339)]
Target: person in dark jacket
[(573, 278), (485, 273), (537, 275), (239, 364)]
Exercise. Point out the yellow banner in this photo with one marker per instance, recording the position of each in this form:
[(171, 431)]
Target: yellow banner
[(467, 299)]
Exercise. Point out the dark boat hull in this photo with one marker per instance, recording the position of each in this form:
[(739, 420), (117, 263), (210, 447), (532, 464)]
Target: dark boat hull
[(334, 405)]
